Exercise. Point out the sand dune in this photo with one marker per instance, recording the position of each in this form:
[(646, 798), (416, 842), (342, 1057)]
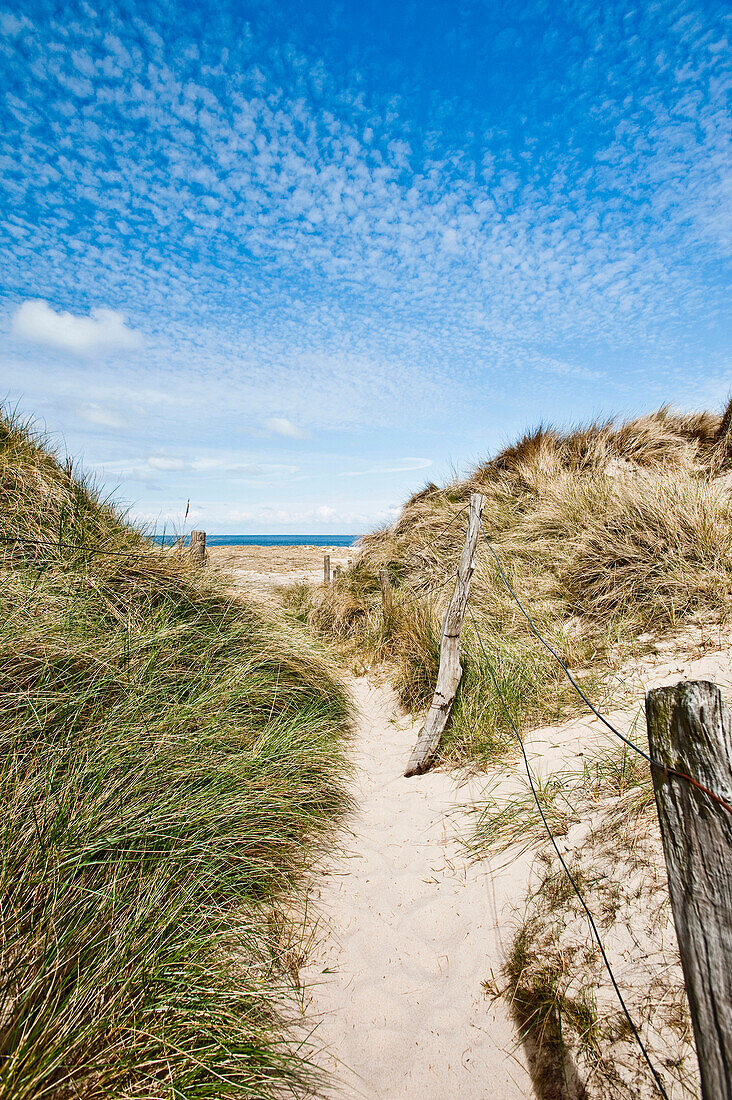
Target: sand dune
[(408, 930)]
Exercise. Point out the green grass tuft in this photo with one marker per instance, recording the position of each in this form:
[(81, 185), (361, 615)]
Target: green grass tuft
[(172, 762)]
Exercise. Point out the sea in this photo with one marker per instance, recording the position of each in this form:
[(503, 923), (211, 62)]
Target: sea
[(264, 540)]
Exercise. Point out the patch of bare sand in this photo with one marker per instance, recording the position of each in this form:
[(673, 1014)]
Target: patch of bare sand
[(408, 932), (256, 570), (408, 929)]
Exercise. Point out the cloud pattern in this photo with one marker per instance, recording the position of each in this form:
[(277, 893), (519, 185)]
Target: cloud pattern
[(323, 224)]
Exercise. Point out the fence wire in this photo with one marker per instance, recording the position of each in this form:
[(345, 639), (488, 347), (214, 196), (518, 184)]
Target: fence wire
[(565, 866), (636, 748)]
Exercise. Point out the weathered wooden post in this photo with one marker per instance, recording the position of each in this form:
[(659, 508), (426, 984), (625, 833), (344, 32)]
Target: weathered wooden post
[(690, 730), (198, 547), (451, 670), (326, 569), (385, 584), (336, 573)]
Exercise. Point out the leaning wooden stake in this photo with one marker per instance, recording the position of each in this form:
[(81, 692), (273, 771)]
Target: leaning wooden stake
[(385, 592), (451, 670), (198, 547), (690, 730)]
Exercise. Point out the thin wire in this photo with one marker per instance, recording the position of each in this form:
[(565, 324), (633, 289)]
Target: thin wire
[(694, 782), (450, 577), (654, 763), (556, 656), (565, 866), (445, 526), (72, 546), (421, 593)]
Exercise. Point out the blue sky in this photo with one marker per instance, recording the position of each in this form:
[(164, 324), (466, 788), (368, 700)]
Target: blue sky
[(292, 260)]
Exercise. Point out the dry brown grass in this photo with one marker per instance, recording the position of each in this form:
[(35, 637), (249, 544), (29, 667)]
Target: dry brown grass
[(577, 1039), (660, 550), (605, 531), (608, 533)]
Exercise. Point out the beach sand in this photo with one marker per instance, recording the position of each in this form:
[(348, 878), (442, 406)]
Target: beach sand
[(408, 929), (407, 932), (404, 930), (258, 569)]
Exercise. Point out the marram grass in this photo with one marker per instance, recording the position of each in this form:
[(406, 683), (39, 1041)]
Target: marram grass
[(607, 532), (170, 763)]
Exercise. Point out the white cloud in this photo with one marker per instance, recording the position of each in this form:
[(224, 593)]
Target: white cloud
[(281, 426), (104, 417), (160, 462), (227, 464), (408, 465), (450, 240), (591, 234), (10, 24), (104, 330), (225, 516)]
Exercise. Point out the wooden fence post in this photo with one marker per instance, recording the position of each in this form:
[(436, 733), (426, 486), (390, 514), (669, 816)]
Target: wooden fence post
[(385, 593), (326, 569), (690, 730), (198, 547), (336, 573), (451, 670)]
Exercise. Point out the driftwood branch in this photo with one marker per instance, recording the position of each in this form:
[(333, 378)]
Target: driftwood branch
[(450, 668), (689, 730)]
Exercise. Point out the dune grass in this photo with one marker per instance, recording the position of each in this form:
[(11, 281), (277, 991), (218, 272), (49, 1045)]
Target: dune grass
[(612, 536), (171, 763), (576, 1037), (608, 533)]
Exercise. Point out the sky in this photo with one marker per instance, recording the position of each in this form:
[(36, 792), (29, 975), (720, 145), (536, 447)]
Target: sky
[(290, 261)]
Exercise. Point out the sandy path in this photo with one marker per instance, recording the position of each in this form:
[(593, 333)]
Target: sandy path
[(408, 932)]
